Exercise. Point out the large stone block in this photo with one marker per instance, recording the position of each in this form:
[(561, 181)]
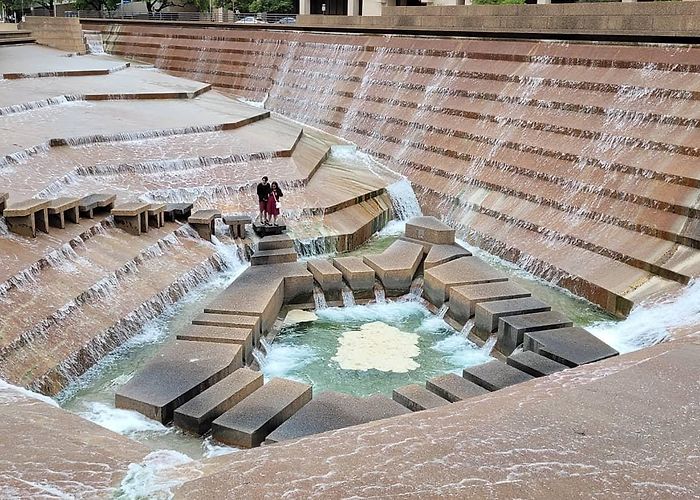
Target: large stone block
[(397, 265), (244, 321), (416, 397), (176, 374), (439, 280), (464, 299), (247, 424), (569, 346), (431, 230), (441, 254), (334, 410), (198, 413), (487, 314), (454, 388), (275, 242), (534, 364), (495, 375), (326, 274), (512, 328), (222, 335), (277, 256), (358, 275)]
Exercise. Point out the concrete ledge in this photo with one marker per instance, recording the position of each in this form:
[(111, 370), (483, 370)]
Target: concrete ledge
[(222, 335), (441, 254), (534, 364), (396, 266), (329, 278), (439, 280), (465, 298), (454, 388), (430, 230), (511, 329), (275, 242), (243, 321), (358, 275), (495, 375), (487, 314), (569, 346), (277, 256), (416, 397)]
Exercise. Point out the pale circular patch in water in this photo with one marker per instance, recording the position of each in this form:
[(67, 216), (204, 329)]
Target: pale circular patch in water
[(378, 346), (299, 316)]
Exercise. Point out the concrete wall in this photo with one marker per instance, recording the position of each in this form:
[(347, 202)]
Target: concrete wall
[(645, 18), (63, 33)]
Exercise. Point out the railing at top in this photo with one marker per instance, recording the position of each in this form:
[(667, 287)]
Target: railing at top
[(221, 17)]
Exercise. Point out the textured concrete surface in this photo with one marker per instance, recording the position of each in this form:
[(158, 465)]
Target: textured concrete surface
[(430, 230), (511, 329), (464, 299), (495, 375), (534, 364), (275, 242), (440, 254), (416, 397), (276, 256), (570, 346), (454, 388), (328, 276), (487, 314), (358, 275), (397, 265), (439, 280), (223, 335)]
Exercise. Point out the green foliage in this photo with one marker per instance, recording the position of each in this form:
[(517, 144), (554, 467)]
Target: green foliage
[(95, 4), (274, 6)]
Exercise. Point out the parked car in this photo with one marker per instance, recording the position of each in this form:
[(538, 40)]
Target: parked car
[(249, 20), (287, 20)]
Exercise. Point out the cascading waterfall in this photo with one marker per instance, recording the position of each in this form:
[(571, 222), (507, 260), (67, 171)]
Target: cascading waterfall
[(348, 296), (319, 297), (468, 327), (442, 311), (489, 345), (93, 41), (404, 200), (379, 293)]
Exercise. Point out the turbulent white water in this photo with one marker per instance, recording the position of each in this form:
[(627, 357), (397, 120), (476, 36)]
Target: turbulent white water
[(404, 200), (153, 478), (651, 322)]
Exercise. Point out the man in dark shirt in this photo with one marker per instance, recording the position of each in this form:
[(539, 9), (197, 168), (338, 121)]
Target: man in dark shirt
[(263, 194)]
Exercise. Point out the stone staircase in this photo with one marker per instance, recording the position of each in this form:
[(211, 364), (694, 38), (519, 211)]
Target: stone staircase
[(15, 37)]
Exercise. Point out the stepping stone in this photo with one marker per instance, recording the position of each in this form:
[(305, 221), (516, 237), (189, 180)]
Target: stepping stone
[(247, 424), (92, 203), (439, 280), (176, 374), (441, 254), (275, 242), (221, 335), (177, 211), (236, 224), (495, 375), (416, 397), (534, 364), (326, 275), (25, 217), (431, 230), (396, 266), (199, 412), (569, 346), (487, 314), (229, 321), (156, 215), (62, 209), (358, 275), (454, 388), (511, 329), (335, 410), (264, 230), (132, 217), (463, 299), (279, 256), (203, 222)]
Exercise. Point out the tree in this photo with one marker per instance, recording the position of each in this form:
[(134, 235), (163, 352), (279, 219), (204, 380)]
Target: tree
[(274, 6), (159, 5), (97, 5)]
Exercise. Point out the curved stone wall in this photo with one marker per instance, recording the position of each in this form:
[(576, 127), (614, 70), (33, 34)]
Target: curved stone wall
[(578, 161)]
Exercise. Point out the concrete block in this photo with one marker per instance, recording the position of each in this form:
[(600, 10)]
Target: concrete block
[(441, 254), (439, 280), (176, 374), (358, 275), (334, 410), (326, 275), (279, 256), (495, 375), (198, 413), (222, 335), (397, 265), (511, 329), (416, 397), (569, 346), (177, 211), (534, 364), (464, 299), (97, 202), (202, 221), (244, 321), (63, 209), (454, 388), (431, 230), (248, 423), (275, 242), (487, 314), (131, 217)]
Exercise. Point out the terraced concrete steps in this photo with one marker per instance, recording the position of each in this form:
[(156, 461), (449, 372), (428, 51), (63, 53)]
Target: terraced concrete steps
[(248, 423), (440, 280), (416, 397), (465, 298), (487, 314), (197, 414), (175, 375), (329, 278), (278, 256), (441, 254), (222, 335), (334, 410), (396, 266), (229, 321), (275, 242), (534, 364), (454, 388), (358, 275), (511, 329), (569, 346), (495, 375)]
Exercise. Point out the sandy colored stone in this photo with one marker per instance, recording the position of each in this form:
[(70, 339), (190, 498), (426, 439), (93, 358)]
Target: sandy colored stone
[(511, 329), (439, 280), (431, 230), (465, 298), (397, 265), (440, 254), (328, 277), (358, 275), (416, 397)]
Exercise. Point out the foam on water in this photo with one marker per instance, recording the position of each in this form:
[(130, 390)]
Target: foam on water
[(125, 422), (387, 312), (280, 360), (153, 478), (7, 391), (651, 322), (461, 352)]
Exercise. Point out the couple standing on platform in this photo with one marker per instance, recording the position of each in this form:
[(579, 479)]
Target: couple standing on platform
[(269, 196)]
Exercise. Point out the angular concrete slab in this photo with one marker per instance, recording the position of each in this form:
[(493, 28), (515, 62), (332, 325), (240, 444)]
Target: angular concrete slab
[(397, 265), (454, 388), (198, 413), (221, 335), (569, 346), (356, 273), (464, 299), (416, 397), (278, 256), (248, 423), (495, 375), (335, 410), (487, 314), (176, 374), (439, 280), (534, 364), (431, 230), (512, 328), (441, 254), (244, 321), (275, 242), (326, 275)]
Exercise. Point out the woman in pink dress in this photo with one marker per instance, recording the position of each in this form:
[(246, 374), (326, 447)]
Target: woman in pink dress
[(274, 203)]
